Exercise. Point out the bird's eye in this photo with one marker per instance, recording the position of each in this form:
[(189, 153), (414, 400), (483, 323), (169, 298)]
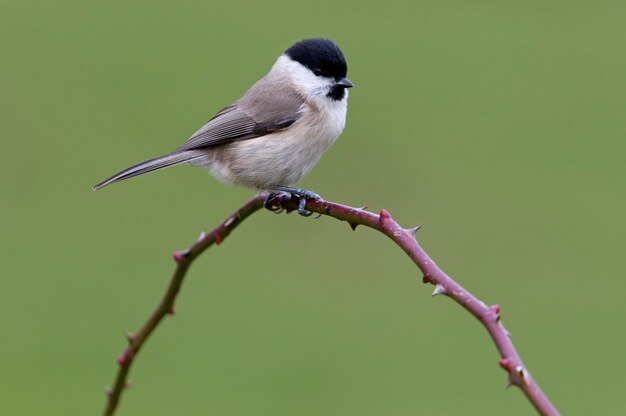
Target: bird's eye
[(317, 71)]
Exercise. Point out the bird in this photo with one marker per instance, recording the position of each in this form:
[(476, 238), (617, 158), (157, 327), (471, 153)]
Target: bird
[(271, 137)]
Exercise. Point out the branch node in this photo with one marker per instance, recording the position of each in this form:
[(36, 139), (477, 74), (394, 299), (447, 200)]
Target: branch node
[(506, 364), (384, 215), (218, 238), (439, 290), (123, 359), (171, 310), (517, 374), (496, 310), (180, 256)]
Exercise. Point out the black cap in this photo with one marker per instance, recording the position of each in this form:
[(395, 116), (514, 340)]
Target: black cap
[(321, 56)]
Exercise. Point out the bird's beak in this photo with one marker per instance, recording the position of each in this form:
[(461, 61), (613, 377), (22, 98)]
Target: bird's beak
[(345, 82)]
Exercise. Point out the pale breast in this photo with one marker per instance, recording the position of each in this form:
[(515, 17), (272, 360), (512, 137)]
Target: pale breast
[(281, 158)]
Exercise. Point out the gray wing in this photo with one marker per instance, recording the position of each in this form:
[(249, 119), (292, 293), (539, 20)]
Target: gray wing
[(262, 110)]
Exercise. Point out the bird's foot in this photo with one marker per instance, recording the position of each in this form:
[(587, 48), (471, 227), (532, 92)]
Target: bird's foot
[(302, 195)]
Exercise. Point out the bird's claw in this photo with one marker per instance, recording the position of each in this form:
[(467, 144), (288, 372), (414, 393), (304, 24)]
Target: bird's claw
[(270, 206), (301, 194), (301, 211)]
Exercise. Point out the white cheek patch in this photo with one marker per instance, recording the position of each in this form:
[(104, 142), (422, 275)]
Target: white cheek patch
[(302, 77)]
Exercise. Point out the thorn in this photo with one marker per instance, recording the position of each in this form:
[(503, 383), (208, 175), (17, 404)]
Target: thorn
[(509, 383), (508, 334), (218, 239), (108, 391), (171, 310), (517, 376), (128, 385), (439, 290), (229, 222), (384, 215), (413, 231), (202, 235), (353, 225), (130, 337), (426, 278), (363, 208)]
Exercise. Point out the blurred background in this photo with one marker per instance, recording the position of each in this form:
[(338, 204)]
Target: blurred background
[(499, 127)]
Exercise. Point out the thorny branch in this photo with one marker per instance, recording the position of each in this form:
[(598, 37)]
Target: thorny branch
[(489, 316)]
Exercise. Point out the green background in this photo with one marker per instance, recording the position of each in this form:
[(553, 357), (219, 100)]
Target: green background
[(499, 127)]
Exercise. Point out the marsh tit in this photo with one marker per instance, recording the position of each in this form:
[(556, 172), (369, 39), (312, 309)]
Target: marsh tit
[(276, 132)]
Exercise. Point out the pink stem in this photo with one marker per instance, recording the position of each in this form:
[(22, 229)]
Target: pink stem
[(489, 316)]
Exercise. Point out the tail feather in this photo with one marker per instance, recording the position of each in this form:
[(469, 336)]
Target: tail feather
[(152, 164)]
